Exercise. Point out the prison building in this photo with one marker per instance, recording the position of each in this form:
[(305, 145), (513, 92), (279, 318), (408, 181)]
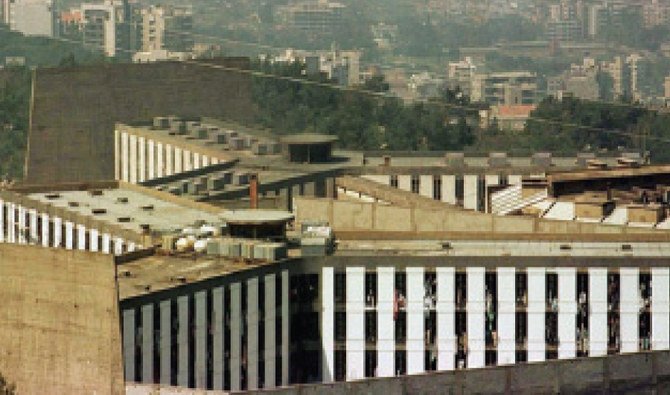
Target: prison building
[(225, 325), (208, 160), (212, 323), (170, 147), (382, 320), (108, 217), (468, 181)]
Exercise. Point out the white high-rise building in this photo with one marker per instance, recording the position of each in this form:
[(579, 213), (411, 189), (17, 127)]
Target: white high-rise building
[(31, 17), (99, 22)]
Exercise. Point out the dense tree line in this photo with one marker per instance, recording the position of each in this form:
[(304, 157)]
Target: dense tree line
[(43, 51), (361, 120), (14, 99), (573, 125)]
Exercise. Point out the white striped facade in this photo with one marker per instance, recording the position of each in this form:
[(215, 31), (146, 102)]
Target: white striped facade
[(22, 225), (507, 315), (138, 158)]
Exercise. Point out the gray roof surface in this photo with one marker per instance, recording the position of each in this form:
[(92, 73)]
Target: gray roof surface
[(163, 216)]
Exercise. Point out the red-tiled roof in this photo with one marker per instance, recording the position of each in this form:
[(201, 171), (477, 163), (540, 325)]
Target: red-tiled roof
[(70, 17), (520, 110)]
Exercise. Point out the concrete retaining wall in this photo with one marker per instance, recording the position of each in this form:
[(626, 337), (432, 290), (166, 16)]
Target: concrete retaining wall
[(59, 321), (73, 110)]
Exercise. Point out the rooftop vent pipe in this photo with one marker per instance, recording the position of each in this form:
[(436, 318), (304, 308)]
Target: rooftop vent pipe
[(253, 191)]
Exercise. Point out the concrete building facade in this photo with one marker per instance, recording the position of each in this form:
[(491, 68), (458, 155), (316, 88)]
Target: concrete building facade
[(99, 27), (167, 28), (31, 17), (228, 333), (364, 315)]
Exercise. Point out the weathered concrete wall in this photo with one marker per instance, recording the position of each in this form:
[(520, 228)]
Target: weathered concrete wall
[(73, 110), (628, 373), (344, 215), (59, 321)]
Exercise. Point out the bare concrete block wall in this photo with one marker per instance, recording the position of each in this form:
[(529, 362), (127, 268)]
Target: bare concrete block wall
[(73, 110), (59, 321), (344, 215), (626, 373)]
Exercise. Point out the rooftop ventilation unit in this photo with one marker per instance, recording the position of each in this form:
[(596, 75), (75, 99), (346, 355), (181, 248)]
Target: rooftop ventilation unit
[(123, 219), (498, 159), (148, 207), (99, 211), (455, 159), (541, 159), (161, 123)]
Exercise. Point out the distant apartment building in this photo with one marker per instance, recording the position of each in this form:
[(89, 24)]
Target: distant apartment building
[(564, 21), (167, 28), (425, 86), (629, 78), (160, 55), (341, 66), (635, 70), (580, 81), (384, 35), (505, 88), (460, 75), (99, 27), (564, 30), (111, 27), (616, 70), (655, 13), (511, 118), (314, 16), (70, 22), (665, 99), (31, 17)]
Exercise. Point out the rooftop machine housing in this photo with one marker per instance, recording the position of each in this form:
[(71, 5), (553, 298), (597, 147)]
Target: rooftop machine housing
[(308, 147), (257, 224)]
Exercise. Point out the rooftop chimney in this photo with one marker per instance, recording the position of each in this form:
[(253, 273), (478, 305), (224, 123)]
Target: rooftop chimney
[(253, 190)]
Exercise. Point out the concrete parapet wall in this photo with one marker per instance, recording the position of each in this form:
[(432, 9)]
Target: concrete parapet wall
[(348, 216)]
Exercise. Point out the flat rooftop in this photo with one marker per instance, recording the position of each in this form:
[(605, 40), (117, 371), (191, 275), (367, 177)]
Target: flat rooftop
[(501, 248), (129, 207), (158, 273), (437, 160), (613, 173)]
